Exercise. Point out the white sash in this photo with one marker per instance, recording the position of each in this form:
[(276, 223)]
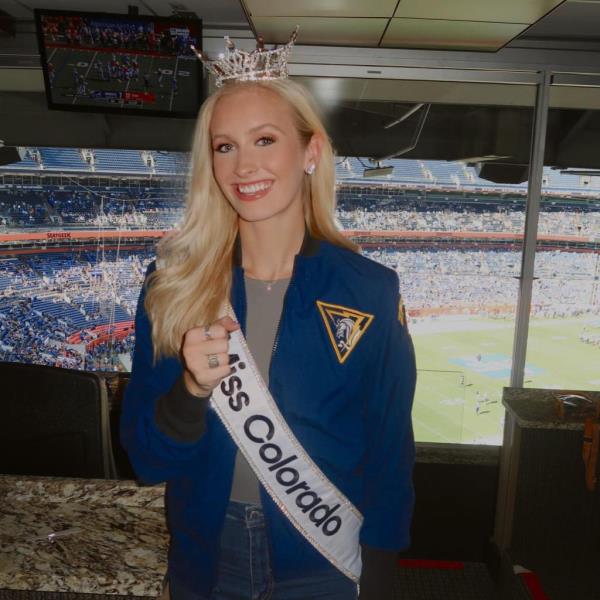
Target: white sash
[(322, 514)]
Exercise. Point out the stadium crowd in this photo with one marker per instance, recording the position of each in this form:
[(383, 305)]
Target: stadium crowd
[(46, 298), (78, 208), (85, 32), (486, 280), (163, 209), (486, 219)]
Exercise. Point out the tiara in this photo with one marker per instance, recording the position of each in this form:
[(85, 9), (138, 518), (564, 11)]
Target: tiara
[(257, 65)]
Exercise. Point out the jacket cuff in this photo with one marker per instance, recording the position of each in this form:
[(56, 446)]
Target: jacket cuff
[(378, 571), (181, 415)]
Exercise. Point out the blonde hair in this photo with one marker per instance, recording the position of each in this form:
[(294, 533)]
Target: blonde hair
[(194, 275)]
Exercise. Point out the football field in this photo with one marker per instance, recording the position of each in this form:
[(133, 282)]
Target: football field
[(81, 77), (463, 363)]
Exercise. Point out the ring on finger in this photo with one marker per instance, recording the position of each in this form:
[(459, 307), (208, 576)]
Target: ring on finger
[(213, 361), (207, 332)]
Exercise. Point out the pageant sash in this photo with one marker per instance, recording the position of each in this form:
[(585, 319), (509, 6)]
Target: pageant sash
[(318, 510)]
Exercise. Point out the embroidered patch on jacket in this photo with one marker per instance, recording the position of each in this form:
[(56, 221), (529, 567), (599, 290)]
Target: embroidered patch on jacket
[(345, 326)]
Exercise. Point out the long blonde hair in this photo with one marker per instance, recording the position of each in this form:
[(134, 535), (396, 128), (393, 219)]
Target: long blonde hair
[(194, 273)]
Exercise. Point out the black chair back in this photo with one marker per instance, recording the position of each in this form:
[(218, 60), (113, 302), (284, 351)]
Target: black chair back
[(54, 422)]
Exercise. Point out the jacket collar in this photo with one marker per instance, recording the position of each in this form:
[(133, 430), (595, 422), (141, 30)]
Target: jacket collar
[(310, 247)]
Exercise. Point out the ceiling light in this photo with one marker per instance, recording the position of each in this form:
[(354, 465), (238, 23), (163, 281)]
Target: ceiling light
[(378, 171)]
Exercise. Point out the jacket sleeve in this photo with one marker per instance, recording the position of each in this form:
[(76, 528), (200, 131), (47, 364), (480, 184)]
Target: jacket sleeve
[(388, 493), (155, 455), (181, 415)]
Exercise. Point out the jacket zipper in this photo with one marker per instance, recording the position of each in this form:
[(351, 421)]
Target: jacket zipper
[(276, 341)]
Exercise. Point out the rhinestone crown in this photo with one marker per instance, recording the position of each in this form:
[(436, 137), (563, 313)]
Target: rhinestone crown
[(257, 65)]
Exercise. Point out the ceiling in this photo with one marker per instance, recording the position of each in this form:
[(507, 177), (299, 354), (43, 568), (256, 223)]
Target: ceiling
[(481, 25)]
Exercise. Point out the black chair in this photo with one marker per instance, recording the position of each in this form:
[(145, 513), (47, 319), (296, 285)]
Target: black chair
[(54, 422)]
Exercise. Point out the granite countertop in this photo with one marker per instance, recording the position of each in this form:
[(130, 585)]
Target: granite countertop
[(534, 408), (119, 545)]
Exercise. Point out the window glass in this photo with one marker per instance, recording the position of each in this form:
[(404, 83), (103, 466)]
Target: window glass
[(447, 215), (455, 241), (563, 348)]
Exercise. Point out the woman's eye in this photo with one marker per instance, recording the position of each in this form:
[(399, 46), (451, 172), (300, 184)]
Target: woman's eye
[(265, 141), (222, 148)]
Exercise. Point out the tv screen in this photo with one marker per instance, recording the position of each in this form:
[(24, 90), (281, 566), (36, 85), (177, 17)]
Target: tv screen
[(103, 62)]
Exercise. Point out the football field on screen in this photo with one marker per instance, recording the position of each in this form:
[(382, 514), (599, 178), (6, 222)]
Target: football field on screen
[(166, 97), (463, 365)]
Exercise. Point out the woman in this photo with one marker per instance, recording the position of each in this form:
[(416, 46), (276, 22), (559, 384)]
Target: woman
[(324, 327)]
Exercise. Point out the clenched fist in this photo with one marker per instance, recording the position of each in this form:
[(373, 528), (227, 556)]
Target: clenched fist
[(200, 378)]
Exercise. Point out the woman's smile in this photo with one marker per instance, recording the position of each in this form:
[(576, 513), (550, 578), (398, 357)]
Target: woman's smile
[(253, 190)]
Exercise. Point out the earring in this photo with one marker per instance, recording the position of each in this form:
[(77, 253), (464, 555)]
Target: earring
[(310, 169)]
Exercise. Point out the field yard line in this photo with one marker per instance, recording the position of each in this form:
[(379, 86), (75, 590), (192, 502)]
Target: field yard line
[(462, 426), (125, 91), (175, 77), (90, 65), (86, 74), (433, 430)]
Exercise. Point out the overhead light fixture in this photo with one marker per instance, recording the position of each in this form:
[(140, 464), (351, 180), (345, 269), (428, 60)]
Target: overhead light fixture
[(378, 171), (589, 173), (408, 113), (478, 159), (416, 135)]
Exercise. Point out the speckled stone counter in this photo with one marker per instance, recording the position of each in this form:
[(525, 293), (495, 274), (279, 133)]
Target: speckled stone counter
[(534, 408), (118, 546)]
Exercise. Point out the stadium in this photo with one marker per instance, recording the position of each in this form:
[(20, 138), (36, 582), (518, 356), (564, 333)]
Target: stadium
[(78, 229), (465, 139)]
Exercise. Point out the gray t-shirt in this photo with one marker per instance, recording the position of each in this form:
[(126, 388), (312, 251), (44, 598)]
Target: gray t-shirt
[(263, 312)]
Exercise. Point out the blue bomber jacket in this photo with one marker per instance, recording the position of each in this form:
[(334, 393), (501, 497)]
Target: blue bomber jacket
[(343, 375)]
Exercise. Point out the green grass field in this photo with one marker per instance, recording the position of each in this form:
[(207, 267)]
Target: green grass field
[(463, 364), (64, 89)]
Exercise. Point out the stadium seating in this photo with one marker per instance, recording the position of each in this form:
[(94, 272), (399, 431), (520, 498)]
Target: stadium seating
[(65, 159), (29, 162), (58, 294), (24, 208), (122, 161), (405, 171), (169, 163), (47, 298)]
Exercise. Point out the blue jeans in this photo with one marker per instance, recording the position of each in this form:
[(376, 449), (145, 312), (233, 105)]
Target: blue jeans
[(244, 571)]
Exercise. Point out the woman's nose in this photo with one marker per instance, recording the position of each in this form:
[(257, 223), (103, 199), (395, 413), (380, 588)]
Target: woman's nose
[(245, 164)]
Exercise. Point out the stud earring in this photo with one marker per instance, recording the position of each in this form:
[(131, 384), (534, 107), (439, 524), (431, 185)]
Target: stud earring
[(310, 169)]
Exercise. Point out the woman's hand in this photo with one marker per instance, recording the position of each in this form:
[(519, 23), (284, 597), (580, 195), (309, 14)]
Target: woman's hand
[(200, 379)]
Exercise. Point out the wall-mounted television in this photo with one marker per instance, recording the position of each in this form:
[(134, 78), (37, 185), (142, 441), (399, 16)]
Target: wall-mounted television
[(117, 63)]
